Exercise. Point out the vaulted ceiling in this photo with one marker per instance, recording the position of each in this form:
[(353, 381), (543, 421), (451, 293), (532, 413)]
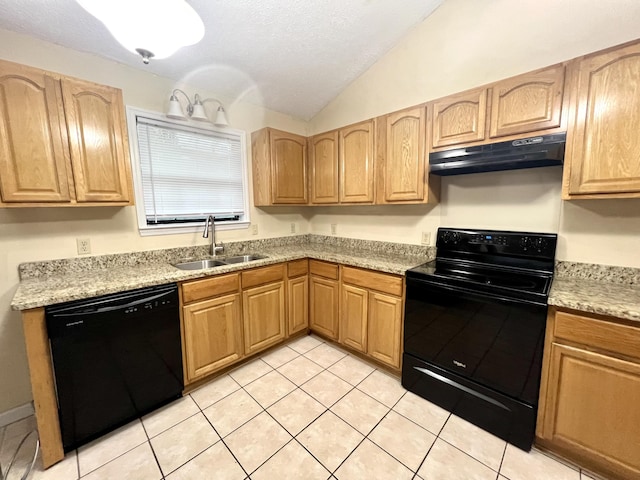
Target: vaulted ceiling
[(292, 56)]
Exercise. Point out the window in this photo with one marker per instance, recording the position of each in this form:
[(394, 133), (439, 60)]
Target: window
[(185, 172)]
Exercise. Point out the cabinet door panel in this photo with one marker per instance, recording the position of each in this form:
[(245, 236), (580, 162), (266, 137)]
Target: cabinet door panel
[(288, 168), (405, 172), (356, 161), (353, 317), (385, 329), (212, 335), (527, 103), (298, 304), (263, 310), (459, 118), (33, 138), (98, 141), (323, 306), (324, 168), (603, 142), (592, 408)]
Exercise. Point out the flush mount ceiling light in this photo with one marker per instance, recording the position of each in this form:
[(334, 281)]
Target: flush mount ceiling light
[(195, 109), (151, 28)]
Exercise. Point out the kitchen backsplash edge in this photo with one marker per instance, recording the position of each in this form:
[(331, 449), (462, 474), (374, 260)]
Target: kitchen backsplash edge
[(597, 272), (72, 265)]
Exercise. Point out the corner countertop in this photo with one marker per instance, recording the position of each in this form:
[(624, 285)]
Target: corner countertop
[(58, 288), (595, 295)]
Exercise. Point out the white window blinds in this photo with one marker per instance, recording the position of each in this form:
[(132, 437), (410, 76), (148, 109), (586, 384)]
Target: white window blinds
[(188, 173)]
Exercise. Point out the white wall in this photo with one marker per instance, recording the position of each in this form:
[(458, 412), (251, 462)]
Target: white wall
[(46, 233), (464, 44)]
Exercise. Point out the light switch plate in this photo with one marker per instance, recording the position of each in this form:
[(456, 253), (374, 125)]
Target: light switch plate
[(254, 229), (294, 227), (426, 238), (334, 228)]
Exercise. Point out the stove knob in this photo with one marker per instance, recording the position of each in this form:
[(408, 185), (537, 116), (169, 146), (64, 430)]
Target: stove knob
[(525, 243), (450, 237), (540, 244)]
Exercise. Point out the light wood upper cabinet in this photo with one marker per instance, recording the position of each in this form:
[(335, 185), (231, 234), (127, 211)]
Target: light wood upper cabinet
[(527, 103), (34, 153), (279, 168), (263, 310), (459, 118), (602, 154), (357, 163), (63, 141), (403, 164), (212, 335), (324, 168), (590, 393), (98, 141)]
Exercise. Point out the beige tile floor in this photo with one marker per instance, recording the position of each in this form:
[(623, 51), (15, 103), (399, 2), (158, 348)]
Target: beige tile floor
[(307, 410)]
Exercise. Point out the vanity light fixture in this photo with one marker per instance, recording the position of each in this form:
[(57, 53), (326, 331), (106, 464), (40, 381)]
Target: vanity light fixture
[(151, 28), (195, 109)]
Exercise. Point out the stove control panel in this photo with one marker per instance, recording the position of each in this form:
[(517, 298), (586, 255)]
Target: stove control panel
[(541, 245)]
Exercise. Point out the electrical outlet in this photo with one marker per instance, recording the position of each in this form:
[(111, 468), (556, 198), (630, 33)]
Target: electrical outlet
[(84, 246), (294, 227), (426, 238), (334, 228), (254, 229)]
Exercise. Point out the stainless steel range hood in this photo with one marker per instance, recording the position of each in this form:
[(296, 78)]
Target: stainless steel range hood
[(540, 151)]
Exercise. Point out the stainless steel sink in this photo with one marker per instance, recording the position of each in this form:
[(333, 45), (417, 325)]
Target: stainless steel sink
[(243, 258), (209, 263), (199, 264)]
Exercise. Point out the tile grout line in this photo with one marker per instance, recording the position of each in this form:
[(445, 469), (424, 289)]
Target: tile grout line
[(222, 440), (151, 446)]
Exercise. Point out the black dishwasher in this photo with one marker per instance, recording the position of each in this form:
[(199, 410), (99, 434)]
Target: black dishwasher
[(115, 358)]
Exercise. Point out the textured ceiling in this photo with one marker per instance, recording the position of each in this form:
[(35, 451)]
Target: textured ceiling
[(292, 56)]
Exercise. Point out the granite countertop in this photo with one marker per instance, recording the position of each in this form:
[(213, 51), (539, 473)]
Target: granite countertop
[(597, 295), (69, 285)]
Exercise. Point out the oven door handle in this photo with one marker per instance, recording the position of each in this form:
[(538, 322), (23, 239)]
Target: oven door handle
[(474, 293), (462, 387)]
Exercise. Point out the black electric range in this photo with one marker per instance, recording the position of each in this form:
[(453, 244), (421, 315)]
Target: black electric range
[(474, 327)]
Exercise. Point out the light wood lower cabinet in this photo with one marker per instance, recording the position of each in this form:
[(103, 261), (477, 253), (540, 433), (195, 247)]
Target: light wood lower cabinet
[(384, 331), (324, 298), (590, 393), (371, 321), (263, 311), (354, 308), (212, 335), (297, 296)]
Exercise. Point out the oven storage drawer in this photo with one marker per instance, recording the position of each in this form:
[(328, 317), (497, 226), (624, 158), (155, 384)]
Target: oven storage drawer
[(503, 416)]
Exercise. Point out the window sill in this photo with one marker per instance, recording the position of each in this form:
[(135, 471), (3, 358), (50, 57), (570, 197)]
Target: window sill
[(174, 230)]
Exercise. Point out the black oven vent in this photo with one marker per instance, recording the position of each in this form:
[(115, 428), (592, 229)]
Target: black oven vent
[(540, 151)]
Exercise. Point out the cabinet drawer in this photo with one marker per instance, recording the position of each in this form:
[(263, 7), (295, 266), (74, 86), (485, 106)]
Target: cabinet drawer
[(258, 276), (210, 287), (323, 269), (382, 282), (297, 268), (617, 338)]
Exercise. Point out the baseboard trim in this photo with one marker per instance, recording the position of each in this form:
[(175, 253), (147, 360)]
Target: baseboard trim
[(15, 414)]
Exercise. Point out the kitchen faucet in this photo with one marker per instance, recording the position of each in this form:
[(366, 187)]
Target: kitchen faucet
[(214, 246)]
